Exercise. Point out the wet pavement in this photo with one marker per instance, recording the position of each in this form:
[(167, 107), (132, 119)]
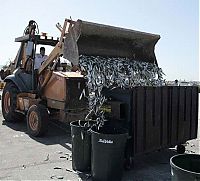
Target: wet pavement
[(49, 158)]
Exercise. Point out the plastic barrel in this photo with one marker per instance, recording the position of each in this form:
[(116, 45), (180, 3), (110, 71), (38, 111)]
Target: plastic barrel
[(185, 167), (81, 145), (108, 145)]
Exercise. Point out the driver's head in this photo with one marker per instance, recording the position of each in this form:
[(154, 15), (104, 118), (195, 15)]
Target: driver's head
[(42, 51)]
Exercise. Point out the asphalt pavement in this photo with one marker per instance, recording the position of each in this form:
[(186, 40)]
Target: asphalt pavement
[(49, 158)]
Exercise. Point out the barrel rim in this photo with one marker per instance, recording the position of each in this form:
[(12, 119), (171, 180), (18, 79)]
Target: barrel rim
[(99, 133), (184, 170), (72, 124)]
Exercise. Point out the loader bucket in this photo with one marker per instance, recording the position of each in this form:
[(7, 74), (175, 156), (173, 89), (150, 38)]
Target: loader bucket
[(92, 39)]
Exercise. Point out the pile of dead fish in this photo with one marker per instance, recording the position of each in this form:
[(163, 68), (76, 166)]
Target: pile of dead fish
[(116, 72)]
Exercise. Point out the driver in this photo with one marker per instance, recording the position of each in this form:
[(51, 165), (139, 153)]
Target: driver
[(40, 58)]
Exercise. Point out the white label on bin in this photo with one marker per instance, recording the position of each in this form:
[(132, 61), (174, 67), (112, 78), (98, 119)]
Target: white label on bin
[(105, 141)]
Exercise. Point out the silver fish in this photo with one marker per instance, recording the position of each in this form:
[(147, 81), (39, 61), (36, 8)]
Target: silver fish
[(112, 72)]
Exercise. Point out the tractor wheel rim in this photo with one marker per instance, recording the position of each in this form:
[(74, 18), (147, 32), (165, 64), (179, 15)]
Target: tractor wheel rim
[(7, 102), (33, 121)]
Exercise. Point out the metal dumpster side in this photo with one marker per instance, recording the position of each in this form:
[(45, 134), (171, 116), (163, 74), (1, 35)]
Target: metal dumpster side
[(163, 117), (159, 117)]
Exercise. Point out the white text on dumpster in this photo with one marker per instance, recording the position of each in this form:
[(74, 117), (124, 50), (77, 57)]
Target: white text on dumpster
[(105, 141)]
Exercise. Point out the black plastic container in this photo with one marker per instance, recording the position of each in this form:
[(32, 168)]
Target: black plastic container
[(81, 145), (108, 146), (185, 167)]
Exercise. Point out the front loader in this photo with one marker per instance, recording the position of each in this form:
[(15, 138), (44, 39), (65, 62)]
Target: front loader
[(55, 91)]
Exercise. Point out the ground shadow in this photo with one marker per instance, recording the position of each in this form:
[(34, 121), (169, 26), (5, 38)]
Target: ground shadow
[(58, 133), (151, 166), (17, 126)]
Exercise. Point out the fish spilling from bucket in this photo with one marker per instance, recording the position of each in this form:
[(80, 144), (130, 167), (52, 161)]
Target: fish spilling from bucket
[(108, 72)]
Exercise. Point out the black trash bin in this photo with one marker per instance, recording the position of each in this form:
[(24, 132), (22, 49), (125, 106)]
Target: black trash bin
[(108, 146), (185, 167), (81, 145)]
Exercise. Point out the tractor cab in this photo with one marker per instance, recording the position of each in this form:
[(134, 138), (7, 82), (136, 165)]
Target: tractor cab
[(22, 72)]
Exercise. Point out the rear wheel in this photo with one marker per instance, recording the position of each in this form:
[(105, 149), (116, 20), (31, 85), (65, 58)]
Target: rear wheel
[(9, 103), (37, 120)]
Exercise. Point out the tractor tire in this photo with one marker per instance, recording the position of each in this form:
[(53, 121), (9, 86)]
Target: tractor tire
[(9, 103), (37, 120)]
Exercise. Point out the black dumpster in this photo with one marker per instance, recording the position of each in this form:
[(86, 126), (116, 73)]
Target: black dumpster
[(108, 146), (185, 167), (81, 145), (156, 117)]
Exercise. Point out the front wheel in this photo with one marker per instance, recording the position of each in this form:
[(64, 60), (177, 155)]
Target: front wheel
[(37, 120), (9, 103)]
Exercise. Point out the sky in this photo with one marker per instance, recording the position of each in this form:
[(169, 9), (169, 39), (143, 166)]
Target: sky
[(176, 21)]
